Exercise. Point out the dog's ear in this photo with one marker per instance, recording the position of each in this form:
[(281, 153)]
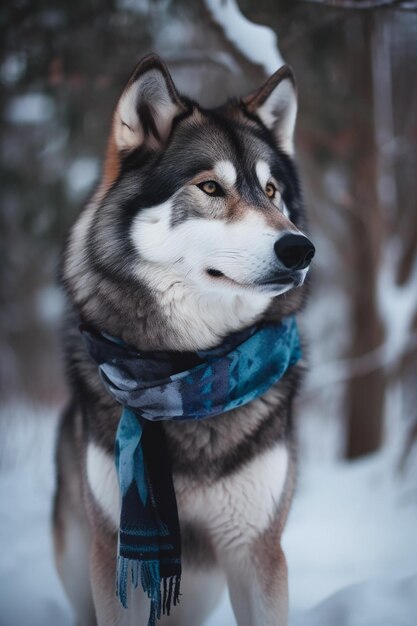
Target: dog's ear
[(147, 107), (275, 103)]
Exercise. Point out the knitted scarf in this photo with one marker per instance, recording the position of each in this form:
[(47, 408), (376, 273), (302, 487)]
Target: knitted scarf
[(155, 386)]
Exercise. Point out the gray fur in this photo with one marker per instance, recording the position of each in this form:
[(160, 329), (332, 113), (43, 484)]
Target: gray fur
[(103, 290)]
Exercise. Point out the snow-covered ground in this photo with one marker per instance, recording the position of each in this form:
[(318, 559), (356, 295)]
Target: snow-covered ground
[(350, 540)]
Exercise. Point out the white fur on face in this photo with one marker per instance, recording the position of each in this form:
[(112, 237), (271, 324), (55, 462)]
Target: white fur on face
[(174, 261), (242, 250), (285, 210), (263, 173), (226, 172)]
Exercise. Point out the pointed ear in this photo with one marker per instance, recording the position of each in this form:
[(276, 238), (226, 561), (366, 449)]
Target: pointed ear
[(147, 107), (275, 103)]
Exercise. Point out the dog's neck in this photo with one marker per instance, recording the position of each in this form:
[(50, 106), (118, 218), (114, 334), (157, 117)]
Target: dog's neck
[(197, 320)]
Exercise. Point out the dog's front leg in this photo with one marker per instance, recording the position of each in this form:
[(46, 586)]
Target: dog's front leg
[(258, 585), (109, 611)]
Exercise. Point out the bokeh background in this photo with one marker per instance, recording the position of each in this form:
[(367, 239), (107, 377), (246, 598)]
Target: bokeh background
[(63, 65)]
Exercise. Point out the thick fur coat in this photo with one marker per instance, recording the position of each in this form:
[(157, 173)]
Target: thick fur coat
[(195, 230)]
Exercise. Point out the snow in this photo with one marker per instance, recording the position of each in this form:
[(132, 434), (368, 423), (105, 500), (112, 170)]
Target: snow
[(397, 303), (142, 7), (82, 173), (31, 108), (350, 539), (30, 592), (257, 43), (50, 305), (12, 69), (350, 523), (382, 603)]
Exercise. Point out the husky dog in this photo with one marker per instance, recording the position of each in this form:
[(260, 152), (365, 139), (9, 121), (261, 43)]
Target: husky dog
[(194, 231)]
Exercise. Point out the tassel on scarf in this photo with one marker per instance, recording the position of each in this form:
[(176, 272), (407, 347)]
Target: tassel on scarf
[(148, 574)]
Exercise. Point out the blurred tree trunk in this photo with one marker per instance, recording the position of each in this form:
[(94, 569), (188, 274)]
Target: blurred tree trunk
[(365, 394)]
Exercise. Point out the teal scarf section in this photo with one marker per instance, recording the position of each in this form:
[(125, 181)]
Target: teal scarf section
[(157, 386)]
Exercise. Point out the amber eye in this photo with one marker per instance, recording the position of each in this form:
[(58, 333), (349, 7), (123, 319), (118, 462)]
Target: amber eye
[(271, 191), (211, 188)]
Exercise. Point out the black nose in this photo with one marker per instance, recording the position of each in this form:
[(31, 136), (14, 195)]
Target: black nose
[(294, 251)]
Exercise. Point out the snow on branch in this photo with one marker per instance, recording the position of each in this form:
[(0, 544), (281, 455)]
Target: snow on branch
[(258, 44)]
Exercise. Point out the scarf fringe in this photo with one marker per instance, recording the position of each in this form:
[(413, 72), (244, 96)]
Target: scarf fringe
[(171, 593), (148, 574)]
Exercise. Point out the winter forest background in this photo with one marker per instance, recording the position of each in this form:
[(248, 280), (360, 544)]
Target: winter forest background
[(62, 67)]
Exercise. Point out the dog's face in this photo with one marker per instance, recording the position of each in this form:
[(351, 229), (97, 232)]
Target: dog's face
[(198, 210), (211, 196)]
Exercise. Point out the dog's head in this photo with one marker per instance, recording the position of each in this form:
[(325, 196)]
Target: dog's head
[(208, 199)]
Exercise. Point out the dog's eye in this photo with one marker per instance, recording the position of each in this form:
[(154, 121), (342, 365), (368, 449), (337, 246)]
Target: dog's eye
[(211, 188), (271, 190)]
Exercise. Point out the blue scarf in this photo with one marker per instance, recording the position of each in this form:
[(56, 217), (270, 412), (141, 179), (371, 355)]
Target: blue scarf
[(155, 386)]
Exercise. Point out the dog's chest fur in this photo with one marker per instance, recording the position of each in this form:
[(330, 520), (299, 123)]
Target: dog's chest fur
[(232, 511)]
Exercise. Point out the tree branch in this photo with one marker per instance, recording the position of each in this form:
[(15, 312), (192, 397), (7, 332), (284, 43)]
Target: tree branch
[(405, 5), (342, 370)]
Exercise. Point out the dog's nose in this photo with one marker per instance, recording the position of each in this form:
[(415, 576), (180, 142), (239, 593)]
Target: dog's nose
[(294, 251)]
